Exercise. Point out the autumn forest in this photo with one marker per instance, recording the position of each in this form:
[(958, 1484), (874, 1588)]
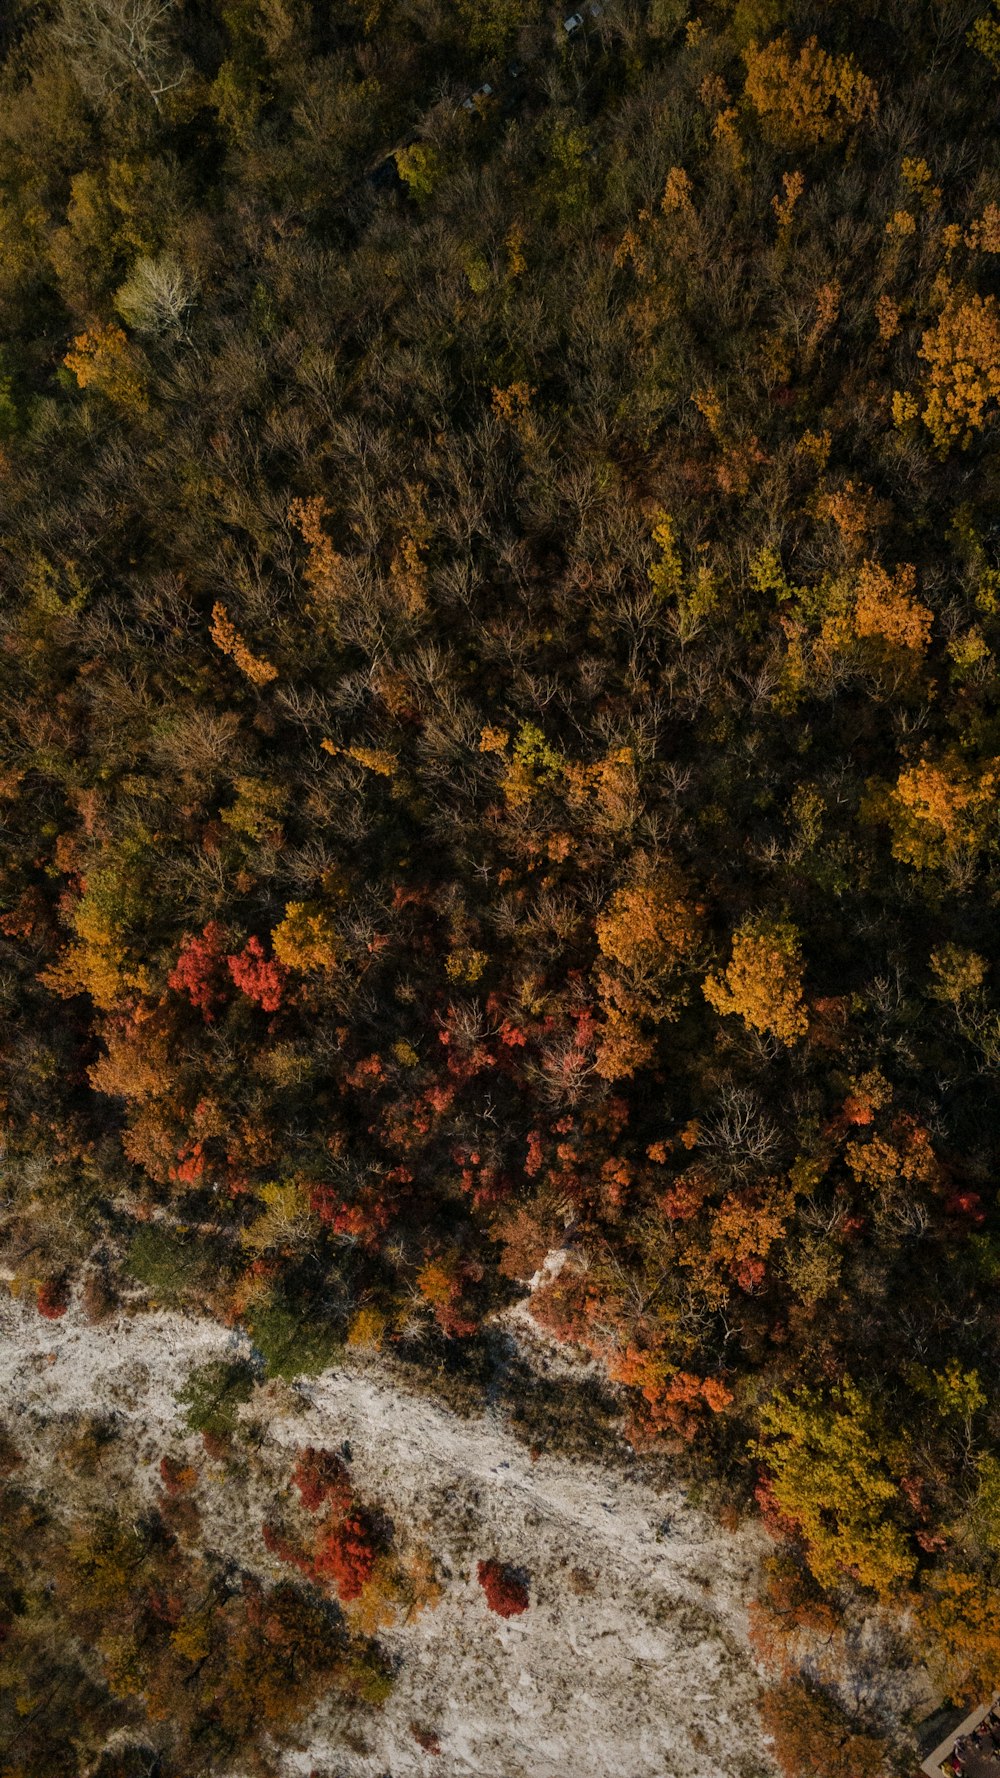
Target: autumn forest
[(499, 755)]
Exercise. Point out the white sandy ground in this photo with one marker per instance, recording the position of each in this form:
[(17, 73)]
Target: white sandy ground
[(648, 1675)]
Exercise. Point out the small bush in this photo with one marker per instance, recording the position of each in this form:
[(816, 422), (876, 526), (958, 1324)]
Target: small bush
[(213, 1395), (506, 1593), (172, 1266), (53, 1298)]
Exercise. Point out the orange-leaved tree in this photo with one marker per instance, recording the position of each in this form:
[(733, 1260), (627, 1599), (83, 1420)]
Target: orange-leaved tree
[(939, 809), (806, 98), (644, 934), (813, 1737), (104, 358)]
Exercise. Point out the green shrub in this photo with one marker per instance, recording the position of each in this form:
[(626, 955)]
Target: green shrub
[(214, 1393), (171, 1265), (294, 1343)]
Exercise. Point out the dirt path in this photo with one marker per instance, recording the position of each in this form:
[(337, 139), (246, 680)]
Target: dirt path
[(632, 1660)]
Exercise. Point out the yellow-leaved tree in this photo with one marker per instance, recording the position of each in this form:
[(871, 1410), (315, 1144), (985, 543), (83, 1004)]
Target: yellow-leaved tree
[(762, 982), (305, 938), (963, 381), (959, 1633), (831, 1463)]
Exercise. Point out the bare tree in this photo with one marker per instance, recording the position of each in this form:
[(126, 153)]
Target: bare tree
[(114, 43), (157, 294), (739, 1134)]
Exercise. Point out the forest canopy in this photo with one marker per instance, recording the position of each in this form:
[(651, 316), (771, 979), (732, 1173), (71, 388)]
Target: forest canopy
[(500, 721)]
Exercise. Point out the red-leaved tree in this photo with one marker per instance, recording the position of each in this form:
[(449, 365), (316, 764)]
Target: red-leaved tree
[(260, 978), (200, 970)]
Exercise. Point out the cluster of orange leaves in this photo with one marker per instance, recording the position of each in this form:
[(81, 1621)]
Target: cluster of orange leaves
[(938, 807), (441, 1282), (646, 931), (325, 568), (674, 1399), (963, 353), (958, 1623), (983, 233), (807, 98), (907, 1156), (762, 982), (104, 358), (743, 1230), (812, 1738), (886, 609), (227, 637)]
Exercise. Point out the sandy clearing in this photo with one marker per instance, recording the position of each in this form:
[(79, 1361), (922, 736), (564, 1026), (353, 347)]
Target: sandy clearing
[(645, 1675)]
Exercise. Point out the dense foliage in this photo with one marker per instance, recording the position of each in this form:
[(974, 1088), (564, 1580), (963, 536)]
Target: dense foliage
[(501, 719)]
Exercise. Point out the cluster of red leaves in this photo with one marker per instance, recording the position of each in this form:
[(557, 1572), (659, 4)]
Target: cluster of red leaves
[(53, 1298), (365, 1221), (776, 1522), (965, 1203), (199, 972), (345, 1554), (190, 1163), (28, 918), (506, 1594), (260, 978), (322, 1480), (344, 1549), (684, 1198)]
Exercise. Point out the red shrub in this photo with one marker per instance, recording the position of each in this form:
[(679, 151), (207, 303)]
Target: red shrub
[(177, 1477), (261, 979), (53, 1298), (346, 1555), (320, 1476), (965, 1203), (505, 1593)]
